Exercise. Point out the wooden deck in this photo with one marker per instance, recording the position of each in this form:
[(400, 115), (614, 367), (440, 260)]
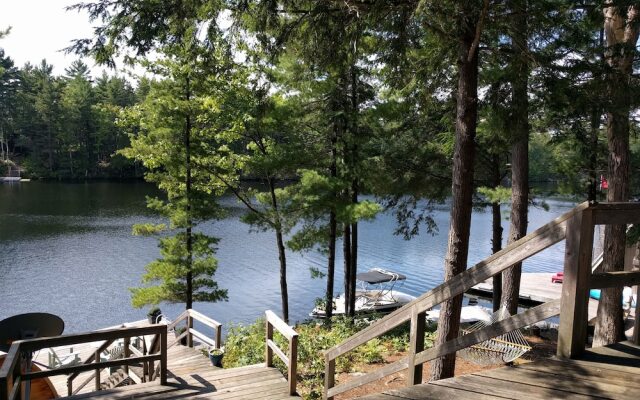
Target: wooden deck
[(188, 381), (189, 374), (611, 372)]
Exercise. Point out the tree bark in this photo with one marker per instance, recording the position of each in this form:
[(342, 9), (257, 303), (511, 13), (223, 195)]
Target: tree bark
[(462, 187), (496, 240), (346, 251), (282, 255), (333, 228), (188, 230), (621, 36), (354, 253), (519, 151)]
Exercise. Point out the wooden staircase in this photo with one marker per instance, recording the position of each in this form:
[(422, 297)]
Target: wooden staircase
[(161, 370)]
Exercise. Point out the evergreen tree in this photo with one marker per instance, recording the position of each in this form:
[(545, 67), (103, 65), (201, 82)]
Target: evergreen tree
[(183, 122)]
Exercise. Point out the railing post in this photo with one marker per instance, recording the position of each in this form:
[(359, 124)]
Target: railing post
[(97, 373), (293, 364), (69, 387), (329, 376), (4, 389), (416, 345), (127, 353), (218, 336), (163, 356), (268, 357), (572, 333), (636, 327), (189, 327)]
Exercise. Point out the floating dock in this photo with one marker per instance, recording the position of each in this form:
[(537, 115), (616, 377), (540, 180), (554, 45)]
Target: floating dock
[(535, 288)]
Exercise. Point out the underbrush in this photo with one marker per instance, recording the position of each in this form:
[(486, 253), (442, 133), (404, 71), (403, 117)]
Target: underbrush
[(245, 345)]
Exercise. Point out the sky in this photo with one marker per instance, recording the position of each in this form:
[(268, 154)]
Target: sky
[(40, 29)]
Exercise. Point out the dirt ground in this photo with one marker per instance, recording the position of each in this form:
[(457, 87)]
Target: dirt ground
[(542, 348)]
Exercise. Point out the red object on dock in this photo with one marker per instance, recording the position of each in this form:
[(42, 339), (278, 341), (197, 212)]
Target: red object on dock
[(557, 278)]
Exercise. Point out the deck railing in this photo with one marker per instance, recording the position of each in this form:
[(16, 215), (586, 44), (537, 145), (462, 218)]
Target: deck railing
[(188, 316), (291, 359), (576, 226), (12, 374)]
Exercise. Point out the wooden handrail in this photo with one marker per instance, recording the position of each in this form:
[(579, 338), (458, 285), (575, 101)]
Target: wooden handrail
[(11, 373), (291, 361), (578, 223), (189, 316), (533, 243)]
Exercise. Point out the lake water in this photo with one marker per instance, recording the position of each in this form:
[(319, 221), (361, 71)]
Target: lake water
[(67, 249)]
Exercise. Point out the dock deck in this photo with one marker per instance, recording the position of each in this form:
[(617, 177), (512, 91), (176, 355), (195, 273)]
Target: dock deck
[(535, 288), (611, 372)]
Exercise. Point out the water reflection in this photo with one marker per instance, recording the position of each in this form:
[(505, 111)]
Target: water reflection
[(67, 249)]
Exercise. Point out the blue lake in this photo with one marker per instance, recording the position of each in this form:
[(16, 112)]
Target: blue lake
[(67, 249)]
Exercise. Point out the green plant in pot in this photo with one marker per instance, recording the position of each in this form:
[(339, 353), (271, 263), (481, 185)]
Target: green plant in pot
[(153, 315), (215, 356)]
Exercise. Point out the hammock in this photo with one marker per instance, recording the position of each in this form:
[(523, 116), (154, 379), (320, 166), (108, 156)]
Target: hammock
[(500, 349)]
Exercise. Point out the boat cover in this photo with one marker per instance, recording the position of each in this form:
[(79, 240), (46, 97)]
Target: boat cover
[(379, 276)]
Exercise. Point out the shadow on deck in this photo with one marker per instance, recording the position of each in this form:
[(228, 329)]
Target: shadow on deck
[(611, 372)]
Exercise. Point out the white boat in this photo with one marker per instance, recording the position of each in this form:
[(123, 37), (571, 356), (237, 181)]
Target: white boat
[(376, 294), (469, 314)]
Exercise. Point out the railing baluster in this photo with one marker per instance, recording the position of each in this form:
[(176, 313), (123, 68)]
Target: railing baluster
[(97, 373), (163, 357), (127, 353), (293, 364), (189, 327), (269, 353), (416, 345), (329, 376)]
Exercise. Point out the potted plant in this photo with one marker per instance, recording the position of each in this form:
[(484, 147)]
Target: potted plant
[(179, 331), (153, 315), (215, 356)]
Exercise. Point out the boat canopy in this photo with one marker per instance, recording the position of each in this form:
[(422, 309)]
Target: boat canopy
[(377, 275)]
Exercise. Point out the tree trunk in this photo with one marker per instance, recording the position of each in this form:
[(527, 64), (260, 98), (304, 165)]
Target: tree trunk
[(189, 237), (621, 36), (462, 188), (496, 241), (346, 251), (282, 256), (354, 252), (596, 117), (519, 152), (284, 292), (333, 228)]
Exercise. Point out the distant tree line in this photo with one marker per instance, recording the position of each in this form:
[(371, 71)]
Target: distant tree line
[(412, 101), (64, 127)]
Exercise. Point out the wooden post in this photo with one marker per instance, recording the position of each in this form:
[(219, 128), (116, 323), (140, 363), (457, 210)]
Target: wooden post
[(163, 356), (572, 333), (69, 387), (127, 353), (189, 327), (416, 345), (293, 364), (268, 357), (4, 389), (329, 376), (97, 373), (636, 327), (218, 336)]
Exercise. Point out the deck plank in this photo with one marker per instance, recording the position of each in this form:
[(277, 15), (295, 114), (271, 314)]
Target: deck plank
[(611, 372)]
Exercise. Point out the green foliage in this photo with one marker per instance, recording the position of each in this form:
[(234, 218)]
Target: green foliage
[(244, 345), (498, 194)]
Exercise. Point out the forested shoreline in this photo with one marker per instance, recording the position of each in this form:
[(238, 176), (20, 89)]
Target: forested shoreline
[(413, 102)]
